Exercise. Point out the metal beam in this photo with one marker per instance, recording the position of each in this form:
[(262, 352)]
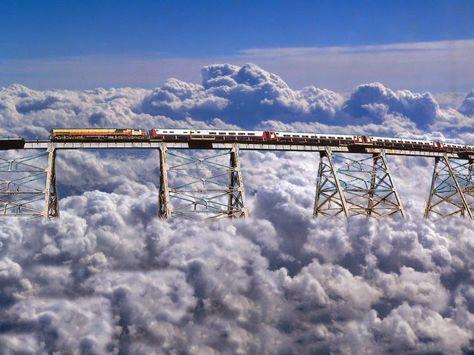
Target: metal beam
[(236, 206), (164, 208), (51, 209)]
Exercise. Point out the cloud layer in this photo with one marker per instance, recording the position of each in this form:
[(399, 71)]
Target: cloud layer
[(109, 277)]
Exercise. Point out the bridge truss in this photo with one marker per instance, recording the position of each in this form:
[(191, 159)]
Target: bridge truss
[(210, 182)]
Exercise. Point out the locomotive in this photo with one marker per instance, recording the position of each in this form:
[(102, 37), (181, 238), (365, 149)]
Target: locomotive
[(98, 134)]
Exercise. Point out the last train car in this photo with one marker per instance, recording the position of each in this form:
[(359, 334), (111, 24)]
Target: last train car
[(11, 143), (98, 134)]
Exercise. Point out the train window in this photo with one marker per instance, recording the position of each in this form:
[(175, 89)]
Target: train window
[(212, 132), (171, 131), (241, 133), (296, 135), (232, 133), (222, 133), (286, 135), (340, 138), (251, 134)]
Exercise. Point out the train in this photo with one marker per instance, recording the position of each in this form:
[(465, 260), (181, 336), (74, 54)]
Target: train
[(244, 136)]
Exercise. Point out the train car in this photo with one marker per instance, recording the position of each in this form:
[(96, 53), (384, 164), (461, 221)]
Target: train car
[(313, 138), (400, 143), (186, 135), (98, 134), (454, 147), (11, 143)]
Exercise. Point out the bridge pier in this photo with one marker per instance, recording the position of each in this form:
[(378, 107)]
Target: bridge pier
[(201, 185), (28, 186), (51, 192), (164, 208), (358, 187), (330, 199), (452, 189)]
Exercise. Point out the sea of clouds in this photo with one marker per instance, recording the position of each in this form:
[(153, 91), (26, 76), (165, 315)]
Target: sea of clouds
[(109, 277)]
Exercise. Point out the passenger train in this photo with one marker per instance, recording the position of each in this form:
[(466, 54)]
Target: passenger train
[(242, 136)]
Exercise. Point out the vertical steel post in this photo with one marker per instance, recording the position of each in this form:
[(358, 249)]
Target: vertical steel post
[(373, 176), (328, 188), (51, 208), (434, 176), (236, 205), (468, 189), (389, 176), (164, 208), (465, 205)]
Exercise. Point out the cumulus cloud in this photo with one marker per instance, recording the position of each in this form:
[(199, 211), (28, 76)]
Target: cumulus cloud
[(228, 95), (467, 106), (375, 101), (242, 95), (108, 276)]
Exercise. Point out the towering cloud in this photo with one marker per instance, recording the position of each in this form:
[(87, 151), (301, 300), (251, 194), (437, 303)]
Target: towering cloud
[(241, 95), (374, 101)]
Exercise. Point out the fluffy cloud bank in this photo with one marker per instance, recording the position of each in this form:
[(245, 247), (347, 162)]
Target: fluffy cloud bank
[(243, 96), (109, 277)]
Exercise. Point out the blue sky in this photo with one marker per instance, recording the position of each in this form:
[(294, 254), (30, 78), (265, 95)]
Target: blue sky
[(39, 34)]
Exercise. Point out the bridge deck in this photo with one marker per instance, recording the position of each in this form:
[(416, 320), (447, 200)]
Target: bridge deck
[(43, 144)]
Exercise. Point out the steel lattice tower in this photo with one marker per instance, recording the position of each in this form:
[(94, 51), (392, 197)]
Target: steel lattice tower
[(452, 189), (203, 185), (358, 187), (28, 185)]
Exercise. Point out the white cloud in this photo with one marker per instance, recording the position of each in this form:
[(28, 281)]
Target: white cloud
[(108, 276), (467, 106)]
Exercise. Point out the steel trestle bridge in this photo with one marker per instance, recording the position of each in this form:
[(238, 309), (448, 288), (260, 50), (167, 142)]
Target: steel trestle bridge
[(211, 183)]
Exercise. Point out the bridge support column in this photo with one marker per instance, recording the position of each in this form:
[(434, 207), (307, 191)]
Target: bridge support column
[(164, 208), (469, 185), (452, 187), (202, 184), (236, 205), (28, 184), (51, 192), (330, 199), (357, 187)]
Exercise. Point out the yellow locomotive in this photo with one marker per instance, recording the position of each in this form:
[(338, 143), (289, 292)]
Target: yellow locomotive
[(98, 134)]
